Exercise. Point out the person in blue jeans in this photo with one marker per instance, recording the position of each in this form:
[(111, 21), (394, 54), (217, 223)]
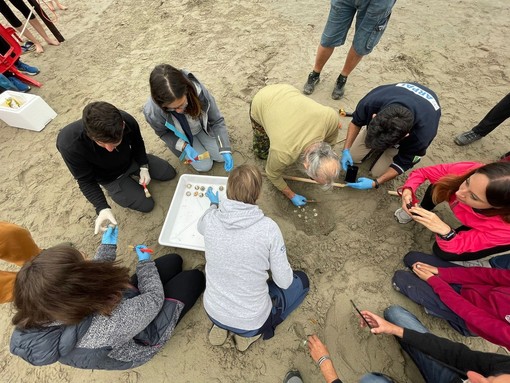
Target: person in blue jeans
[(372, 17), (243, 248), (439, 360)]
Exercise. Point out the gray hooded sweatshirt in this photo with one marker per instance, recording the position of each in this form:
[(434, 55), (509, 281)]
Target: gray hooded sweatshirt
[(241, 246)]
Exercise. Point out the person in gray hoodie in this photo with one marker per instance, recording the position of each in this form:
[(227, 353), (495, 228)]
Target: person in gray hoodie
[(185, 116), (89, 314), (241, 246)]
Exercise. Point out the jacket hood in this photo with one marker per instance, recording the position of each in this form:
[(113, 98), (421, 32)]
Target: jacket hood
[(43, 346), (238, 215)]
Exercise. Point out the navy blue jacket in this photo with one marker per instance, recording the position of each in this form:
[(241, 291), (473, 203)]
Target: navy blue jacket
[(424, 105)]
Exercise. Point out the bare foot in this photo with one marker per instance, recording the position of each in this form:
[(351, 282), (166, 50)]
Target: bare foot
[(61, 6), (38, 48), (52, 42), (50, 5)]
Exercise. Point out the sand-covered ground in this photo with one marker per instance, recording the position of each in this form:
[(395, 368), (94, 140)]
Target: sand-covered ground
[(350, 250)]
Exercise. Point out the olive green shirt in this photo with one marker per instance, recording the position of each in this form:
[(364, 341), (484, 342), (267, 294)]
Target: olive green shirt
[(292, 122)]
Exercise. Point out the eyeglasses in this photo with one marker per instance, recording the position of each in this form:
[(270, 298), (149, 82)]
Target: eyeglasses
[(180, 107)]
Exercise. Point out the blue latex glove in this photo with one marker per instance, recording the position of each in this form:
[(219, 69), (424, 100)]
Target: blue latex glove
[(298, 200), (362, 184), (229, 161), (213, 197), (110, 236), (142, 256), (190, 152), (346, 159)]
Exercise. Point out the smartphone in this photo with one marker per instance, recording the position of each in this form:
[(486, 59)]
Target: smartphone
[(410, 205), (360, 314), (352, 172)]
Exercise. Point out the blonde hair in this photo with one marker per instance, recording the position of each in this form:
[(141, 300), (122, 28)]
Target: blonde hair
[(244, 184)]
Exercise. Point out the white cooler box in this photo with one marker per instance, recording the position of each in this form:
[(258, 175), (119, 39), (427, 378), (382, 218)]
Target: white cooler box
[(33, 113), (180, 227)]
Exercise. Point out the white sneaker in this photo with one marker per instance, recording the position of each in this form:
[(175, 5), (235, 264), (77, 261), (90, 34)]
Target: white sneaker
[(401, 216)]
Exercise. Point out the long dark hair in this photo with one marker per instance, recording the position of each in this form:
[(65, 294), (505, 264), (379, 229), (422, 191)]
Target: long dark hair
[(60, 285), (497, 192), (169, 84)]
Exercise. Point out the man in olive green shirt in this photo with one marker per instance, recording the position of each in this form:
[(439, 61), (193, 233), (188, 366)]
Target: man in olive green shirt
[(288, 125)]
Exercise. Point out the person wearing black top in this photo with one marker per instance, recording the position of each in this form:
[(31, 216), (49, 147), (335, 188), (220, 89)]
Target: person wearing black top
[(105, 148), (439, 360), (395, 124)]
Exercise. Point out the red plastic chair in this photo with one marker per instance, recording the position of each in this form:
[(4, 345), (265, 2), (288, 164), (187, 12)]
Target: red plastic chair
[(8, 59)]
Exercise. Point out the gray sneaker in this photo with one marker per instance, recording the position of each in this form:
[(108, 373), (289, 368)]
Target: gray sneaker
[(474, 263), (339, 87), (401, 216), (217, 336), (313, 79), (466, 138), (293, 376), (243, 343)]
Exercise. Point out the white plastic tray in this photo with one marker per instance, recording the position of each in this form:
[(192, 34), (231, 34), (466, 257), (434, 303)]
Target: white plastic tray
[(180, 226)]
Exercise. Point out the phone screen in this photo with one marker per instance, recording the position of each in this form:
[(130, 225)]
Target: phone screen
[(359, 312), (352, 172)]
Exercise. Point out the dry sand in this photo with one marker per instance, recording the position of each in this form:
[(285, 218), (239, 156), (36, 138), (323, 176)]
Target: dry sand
[(457, 48)]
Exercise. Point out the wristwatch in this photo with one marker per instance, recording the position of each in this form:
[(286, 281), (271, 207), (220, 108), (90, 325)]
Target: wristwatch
[(452, 233), (376, 184), (146, 166)]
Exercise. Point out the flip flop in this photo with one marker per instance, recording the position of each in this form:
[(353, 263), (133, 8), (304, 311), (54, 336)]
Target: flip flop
[(29, 46)]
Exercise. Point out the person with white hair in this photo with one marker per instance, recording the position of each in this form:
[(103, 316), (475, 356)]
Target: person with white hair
[(289, 127)]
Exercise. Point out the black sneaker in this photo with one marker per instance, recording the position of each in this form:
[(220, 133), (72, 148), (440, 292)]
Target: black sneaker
[(466, 138), (313, 79), (339, 87)]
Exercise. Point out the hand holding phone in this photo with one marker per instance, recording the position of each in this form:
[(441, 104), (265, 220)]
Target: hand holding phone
[(351, 174), (409, 206), (360, 314)]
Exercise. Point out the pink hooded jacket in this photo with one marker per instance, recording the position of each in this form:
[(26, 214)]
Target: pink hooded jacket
[(486, 232)]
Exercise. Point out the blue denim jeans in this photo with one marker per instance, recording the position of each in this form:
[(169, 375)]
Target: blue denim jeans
[(371, 21), (422, 293), (284, 302), (431, 370), (375, 377), (202, 143)]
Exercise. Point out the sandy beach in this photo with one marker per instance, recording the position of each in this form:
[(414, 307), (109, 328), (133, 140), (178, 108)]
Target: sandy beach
[(353, 246)]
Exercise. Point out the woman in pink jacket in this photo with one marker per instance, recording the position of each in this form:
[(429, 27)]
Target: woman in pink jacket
[(479, 196), (474, 300)]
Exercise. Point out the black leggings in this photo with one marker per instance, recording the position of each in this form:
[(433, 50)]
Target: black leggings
[(185, 286), (10, 16), (428, 204)]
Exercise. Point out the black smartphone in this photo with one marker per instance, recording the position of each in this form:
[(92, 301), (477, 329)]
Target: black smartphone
[(410, 205), (360, 314), (352, 172)]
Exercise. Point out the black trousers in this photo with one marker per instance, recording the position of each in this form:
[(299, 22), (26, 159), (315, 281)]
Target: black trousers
[(9, 14), (496, 116), (428, 204), (185, 286), (126, 192)]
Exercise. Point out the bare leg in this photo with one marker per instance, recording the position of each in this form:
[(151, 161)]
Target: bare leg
[(49, 3), (322, 57), (31, 37), (60, 5), (351, 61), (40, 29)]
